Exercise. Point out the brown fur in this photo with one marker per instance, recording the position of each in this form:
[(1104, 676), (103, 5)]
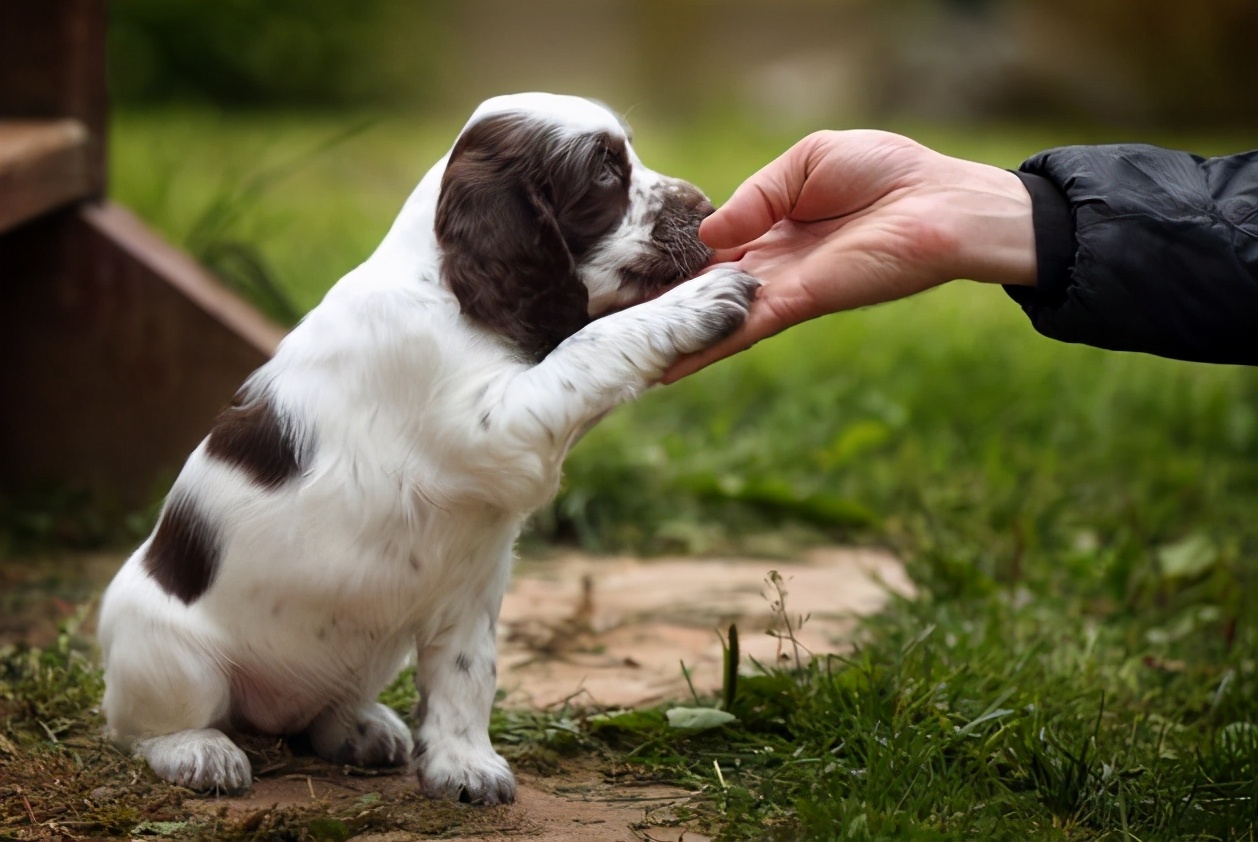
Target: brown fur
[(678, 251), (184, 554), (519, 206), (249, 436)]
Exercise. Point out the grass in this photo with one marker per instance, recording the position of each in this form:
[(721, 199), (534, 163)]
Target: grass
[(1080, 661)]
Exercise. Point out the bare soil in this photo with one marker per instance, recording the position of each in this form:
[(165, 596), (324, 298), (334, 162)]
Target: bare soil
[(579, 805)]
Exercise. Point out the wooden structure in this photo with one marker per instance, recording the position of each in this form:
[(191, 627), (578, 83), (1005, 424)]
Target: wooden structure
[(116, 350)]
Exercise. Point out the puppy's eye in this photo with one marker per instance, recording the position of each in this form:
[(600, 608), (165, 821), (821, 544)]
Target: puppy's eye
[(609, 174)]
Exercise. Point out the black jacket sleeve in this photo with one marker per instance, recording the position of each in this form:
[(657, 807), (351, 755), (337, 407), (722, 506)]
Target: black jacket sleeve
[(1146, 249)]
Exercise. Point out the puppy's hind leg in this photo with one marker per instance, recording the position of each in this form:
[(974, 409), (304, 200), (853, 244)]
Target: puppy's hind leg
[(164, 696), (165, 712)]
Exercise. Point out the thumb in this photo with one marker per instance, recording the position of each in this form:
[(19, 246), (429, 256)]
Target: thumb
[(758, 203)]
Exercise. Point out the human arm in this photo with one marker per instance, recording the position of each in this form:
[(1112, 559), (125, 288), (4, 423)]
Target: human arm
[(1123, 247)]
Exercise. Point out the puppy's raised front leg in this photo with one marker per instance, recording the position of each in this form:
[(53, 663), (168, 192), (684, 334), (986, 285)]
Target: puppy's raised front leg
[(617, 357), (456, 678)]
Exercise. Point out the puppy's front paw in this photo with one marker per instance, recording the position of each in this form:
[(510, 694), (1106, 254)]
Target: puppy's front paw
[(460, 771), (714, 305), (204, 759), (373, 736)]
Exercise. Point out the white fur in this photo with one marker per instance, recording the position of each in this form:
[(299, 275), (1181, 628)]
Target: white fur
[(429, 442)]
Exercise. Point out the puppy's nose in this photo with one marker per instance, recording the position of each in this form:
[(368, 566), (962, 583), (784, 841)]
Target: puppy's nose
[(689, 197)]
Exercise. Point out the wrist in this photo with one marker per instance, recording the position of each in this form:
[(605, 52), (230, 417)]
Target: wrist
[(992, 219)]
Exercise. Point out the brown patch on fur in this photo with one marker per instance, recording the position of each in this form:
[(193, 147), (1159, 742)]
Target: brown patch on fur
[(520, 204), (183, 556), (249, 435), (678, 253)]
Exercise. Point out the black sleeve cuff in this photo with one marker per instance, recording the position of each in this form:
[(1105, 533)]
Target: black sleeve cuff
[(1055, 244)]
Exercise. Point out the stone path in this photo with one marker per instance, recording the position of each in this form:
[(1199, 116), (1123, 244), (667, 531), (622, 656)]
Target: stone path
[(613, 632)]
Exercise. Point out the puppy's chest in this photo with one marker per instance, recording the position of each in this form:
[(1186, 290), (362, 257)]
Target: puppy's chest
[(367, 577)]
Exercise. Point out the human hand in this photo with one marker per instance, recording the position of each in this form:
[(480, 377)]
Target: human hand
[(853, 218)]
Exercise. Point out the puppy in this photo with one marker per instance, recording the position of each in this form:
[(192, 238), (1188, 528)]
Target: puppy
[(360, 499)]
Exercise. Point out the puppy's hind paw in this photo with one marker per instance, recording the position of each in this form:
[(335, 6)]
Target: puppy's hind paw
[(205, 760), (373, 736)]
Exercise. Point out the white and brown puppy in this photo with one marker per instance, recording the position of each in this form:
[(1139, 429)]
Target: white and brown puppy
[(361, 497)]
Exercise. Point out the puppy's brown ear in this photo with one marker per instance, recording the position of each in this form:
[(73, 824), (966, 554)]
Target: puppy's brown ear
[(504, 256)]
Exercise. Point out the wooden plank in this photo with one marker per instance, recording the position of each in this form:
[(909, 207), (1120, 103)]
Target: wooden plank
[(178, 270), (118, 352), (52, 65), (44, 164)]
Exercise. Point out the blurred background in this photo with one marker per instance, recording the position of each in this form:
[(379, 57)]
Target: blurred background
[(1136, 63), (276, 141)]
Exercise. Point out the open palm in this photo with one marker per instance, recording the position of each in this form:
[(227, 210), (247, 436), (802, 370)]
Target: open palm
[(849, 219)]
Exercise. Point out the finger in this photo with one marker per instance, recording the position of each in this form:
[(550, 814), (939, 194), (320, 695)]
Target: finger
[(760, 201), (731, 255)]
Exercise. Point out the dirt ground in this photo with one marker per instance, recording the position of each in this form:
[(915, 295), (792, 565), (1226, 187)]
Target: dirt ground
[(576, 630), (578, 806)]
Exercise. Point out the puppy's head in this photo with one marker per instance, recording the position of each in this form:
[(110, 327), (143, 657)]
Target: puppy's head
[(547, 219)]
